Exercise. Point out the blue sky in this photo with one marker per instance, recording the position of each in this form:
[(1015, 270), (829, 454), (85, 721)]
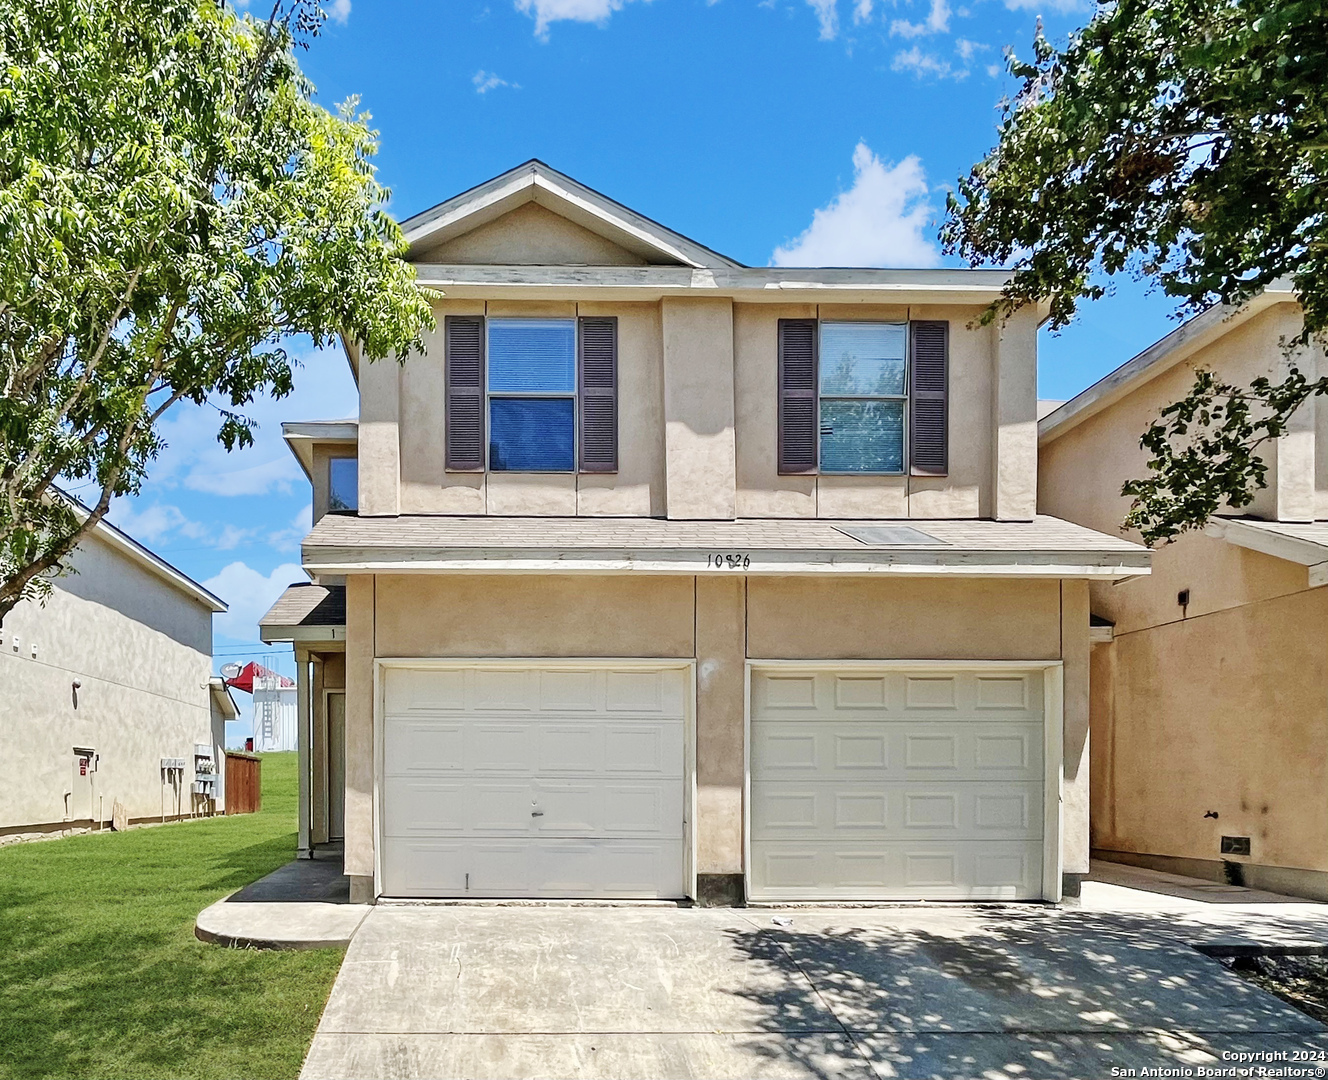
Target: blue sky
[(789, 131)]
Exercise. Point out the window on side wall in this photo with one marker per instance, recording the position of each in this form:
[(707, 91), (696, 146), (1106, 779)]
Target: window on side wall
[(863, 396), (532, 395), (343, 484)]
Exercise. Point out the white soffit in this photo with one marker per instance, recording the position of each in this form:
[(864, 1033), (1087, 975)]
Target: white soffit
[(536, 182), (1157, 359)]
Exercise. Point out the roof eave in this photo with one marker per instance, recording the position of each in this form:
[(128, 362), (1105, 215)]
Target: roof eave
[(1157, 359), (538, 182)]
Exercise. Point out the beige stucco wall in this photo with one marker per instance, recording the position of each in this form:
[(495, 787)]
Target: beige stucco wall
[(697, 423), (761, 492), (1221, 705), (530, 235), (721, 621), (141, 650)]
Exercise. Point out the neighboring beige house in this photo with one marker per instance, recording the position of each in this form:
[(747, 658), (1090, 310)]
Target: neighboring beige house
[(108, 696), (662, 576), (1210, 692)]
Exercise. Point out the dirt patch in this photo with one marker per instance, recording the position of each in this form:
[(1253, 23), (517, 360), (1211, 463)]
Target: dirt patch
[(1301, 981)]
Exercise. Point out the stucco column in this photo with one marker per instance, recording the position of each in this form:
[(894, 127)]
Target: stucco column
[(379, 440), (720, 670), (699, 451), (1014, 417), (303, 732), (318, 754), (359, 736), (1075, 649)]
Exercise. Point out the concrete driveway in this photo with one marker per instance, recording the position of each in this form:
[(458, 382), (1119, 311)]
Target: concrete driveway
[(507, 992)]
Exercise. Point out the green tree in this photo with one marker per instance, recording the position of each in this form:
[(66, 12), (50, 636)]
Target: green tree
[(174, 206), (1184, 141)]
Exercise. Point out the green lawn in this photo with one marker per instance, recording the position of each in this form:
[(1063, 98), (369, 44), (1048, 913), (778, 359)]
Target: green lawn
[(100, 972)]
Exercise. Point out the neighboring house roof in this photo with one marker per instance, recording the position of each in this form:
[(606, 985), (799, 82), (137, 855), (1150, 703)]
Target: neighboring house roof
[(1157, 359), (537, 182), (300, 436), (306, 612), (342, 544), (126, 545), (1298, 542)]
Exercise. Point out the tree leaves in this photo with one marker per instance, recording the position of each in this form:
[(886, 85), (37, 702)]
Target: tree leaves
[(173, 206), (1182, 140)]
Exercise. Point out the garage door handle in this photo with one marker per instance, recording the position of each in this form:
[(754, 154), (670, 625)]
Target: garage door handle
[(537, 813)]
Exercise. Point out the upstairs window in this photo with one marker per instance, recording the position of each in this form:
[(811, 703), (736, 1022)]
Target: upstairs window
[(863, 397), (532, 395), (863, 381), (343, 484)]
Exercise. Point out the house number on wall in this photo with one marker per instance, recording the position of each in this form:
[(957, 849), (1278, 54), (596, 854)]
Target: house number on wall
[(732, 560)]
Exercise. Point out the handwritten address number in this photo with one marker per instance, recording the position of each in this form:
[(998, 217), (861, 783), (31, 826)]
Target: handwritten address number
[(728, 560)]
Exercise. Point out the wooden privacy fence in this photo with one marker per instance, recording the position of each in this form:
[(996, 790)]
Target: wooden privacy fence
[(244, 783)]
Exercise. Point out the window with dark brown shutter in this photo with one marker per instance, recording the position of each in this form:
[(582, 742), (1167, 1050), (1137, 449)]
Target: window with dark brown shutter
[(928, 438), (598, 361), (463, 362), (797, 396)]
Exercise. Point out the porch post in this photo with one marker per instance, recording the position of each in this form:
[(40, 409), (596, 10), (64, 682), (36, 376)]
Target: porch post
[(304, 731)]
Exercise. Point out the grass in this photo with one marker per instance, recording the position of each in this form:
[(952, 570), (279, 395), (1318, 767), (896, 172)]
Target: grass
[(100, 972)]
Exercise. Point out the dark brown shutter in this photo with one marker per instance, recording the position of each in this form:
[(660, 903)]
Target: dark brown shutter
[(463, 352), (929, 442), (798, 443), (597, 345)]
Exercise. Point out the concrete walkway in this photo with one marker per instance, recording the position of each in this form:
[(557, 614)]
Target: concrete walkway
[(934, 991), (303, 905)]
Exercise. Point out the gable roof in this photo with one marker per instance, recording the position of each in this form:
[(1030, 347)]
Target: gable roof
[(535, 181), (1160, 357)]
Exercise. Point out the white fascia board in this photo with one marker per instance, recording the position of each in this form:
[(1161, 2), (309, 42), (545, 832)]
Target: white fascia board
[(1112, 566), (755, 285), (303, 635), (1157, 359), (301, 435), (1268, 541)]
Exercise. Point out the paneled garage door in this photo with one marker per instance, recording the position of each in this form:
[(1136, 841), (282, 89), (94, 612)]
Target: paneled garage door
[(896, 784), (534, 781)]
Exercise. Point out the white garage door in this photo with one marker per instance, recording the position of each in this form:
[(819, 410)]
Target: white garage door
[(533, 782), (896, 784)]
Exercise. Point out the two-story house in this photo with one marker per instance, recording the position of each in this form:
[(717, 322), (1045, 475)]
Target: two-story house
[(1209, 709), (662, 576)]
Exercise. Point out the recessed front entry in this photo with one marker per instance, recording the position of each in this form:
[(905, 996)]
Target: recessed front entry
[(897, 783), (534, 781)]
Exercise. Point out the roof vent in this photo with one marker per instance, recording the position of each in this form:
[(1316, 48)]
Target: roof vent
[(888, 535)]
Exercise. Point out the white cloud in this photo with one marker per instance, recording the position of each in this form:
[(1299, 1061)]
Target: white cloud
[(968, 49), (547, 12), (937, 22), (862, 11), (827, 14), (881, 221), (1063, 6), (339, 11), (926, 65), (249, 595), (288, 539), (484, 81)]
